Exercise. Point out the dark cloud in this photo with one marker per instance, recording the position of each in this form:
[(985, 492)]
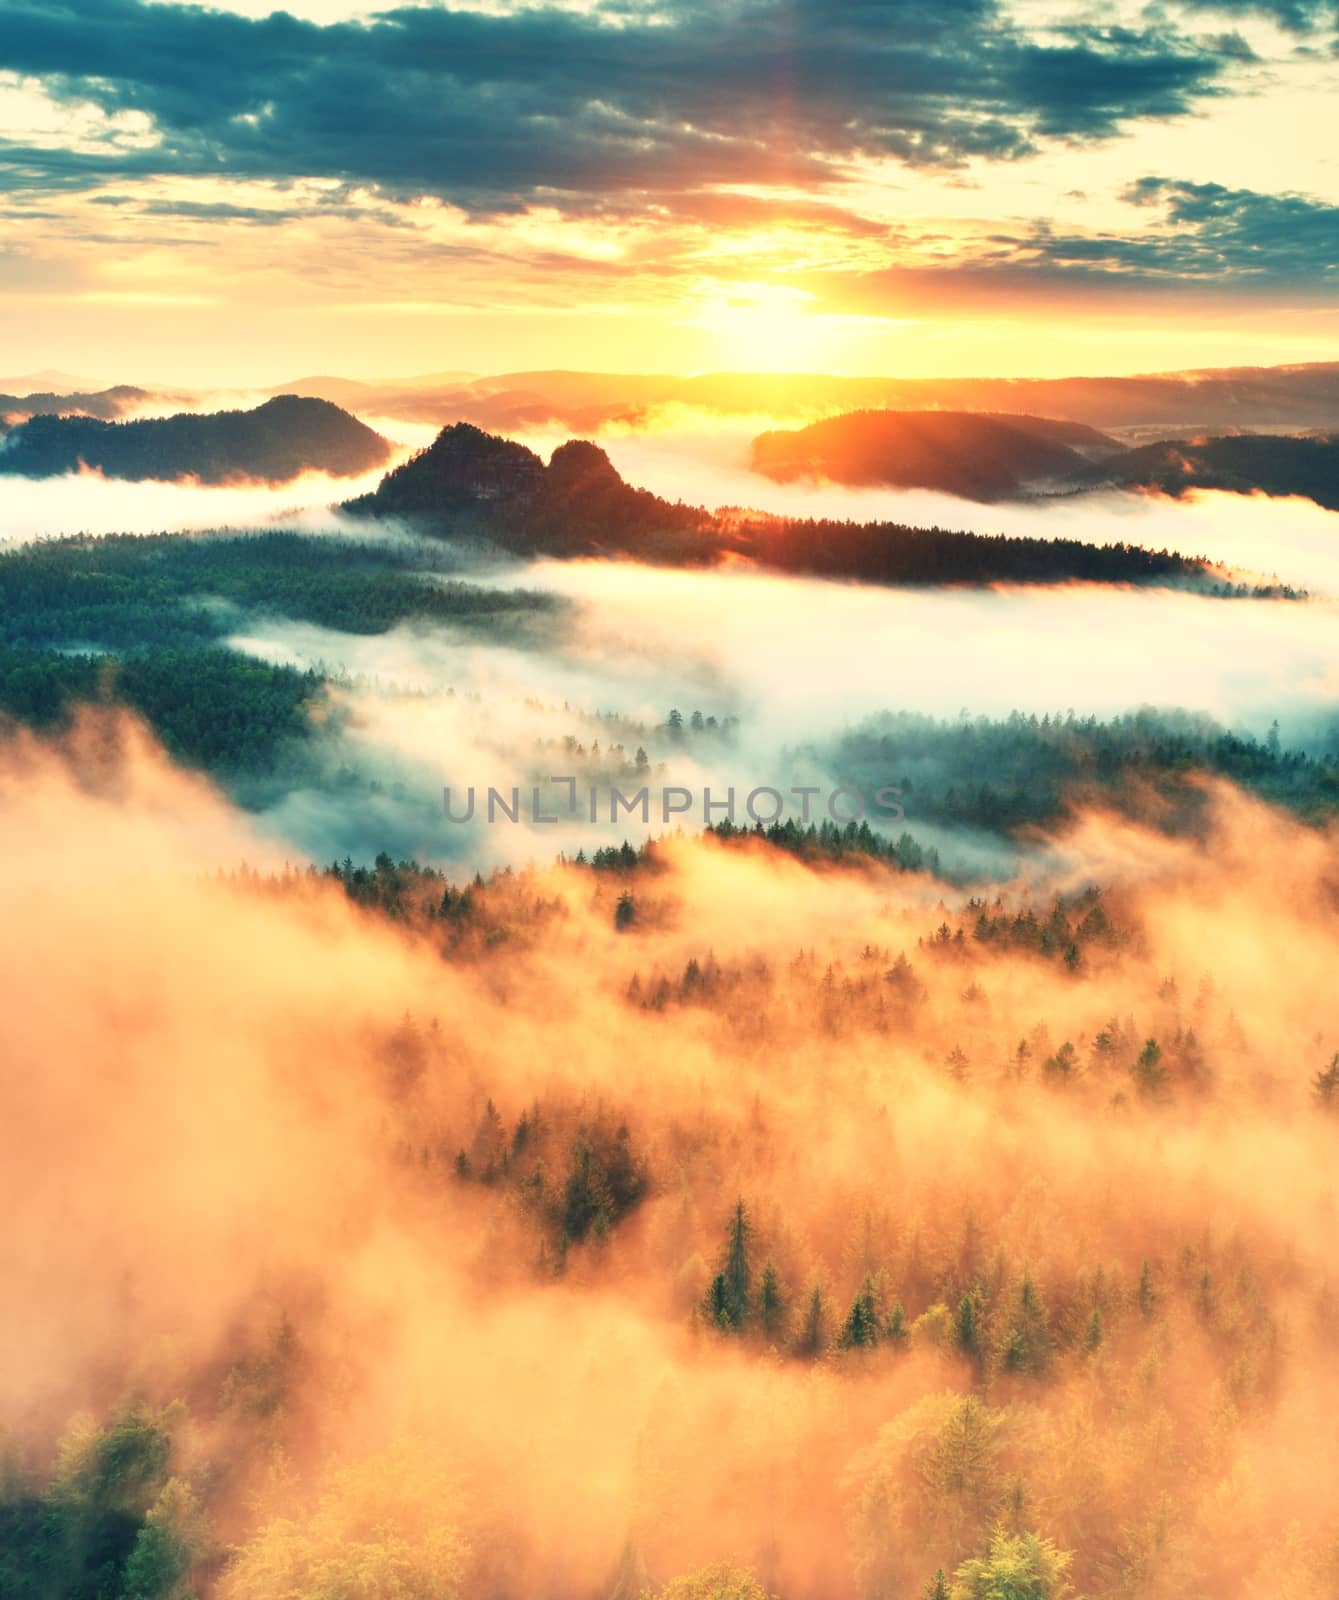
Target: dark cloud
[(1206, 240), (1215, 232), (1297, 16), (220, 211), (263, 216), (494, 112)]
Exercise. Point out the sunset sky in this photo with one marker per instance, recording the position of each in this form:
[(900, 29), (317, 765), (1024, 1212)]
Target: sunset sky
[(210, 194)]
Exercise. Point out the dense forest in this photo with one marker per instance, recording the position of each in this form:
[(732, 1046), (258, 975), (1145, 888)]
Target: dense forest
[(950, 1364), (143, 622), (1024, 770), (1274, 464), (894, 554), (274, 443), (472, 485), (210, 707), (1005, 776), (164, 588), (772, 1210)]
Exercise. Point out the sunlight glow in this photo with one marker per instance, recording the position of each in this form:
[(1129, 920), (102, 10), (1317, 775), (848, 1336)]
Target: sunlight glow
[(764, 327)]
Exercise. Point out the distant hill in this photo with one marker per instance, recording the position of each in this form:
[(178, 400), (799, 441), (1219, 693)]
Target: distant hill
[(984, 458), (105, 403), (472, 485), (338, 391), (1269, 463), (1016, 458), (362, 395), (274, 443), (1289, 398), (50, 379)]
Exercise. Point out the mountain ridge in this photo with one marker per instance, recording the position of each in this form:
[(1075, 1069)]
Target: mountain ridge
[(274, 443), (469, 485), (989, 459)]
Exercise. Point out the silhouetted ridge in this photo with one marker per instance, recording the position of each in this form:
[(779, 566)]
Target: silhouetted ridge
[(580, 467), (462, 468), (105, 403), (1016, 458), (1153, 406), (277, 441), (470, 484), (983, 458), (1271, 464)]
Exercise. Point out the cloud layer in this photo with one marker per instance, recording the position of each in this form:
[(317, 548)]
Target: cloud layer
[(490, 111)]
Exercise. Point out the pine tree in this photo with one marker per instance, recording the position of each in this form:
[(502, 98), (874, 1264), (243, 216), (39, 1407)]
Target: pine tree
[(728, 1298), (861, 1328), (966, 1328), (1028, 1346), (771, 1304), (588, 1206), (814, 1336), (737, 1272), (1063, 1065), (489, 1145), (718, 1304), (1150, 1075)]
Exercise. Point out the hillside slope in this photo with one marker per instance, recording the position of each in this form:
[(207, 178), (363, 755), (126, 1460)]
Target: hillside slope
[(274, 443), (1272, 464), (990, 459), (983, 458)]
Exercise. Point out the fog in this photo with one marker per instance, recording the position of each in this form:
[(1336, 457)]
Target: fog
[(805, 653), (704, 459), (796, 661), (401, 1210), (88, 503), (209, 1137)]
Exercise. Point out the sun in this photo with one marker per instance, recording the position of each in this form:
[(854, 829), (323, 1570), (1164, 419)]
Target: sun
[(765, 327)]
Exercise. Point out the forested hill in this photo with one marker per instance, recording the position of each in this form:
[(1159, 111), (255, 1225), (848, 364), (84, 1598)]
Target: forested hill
[(468, 482), (983, 458), (472, 484), (988, 459), (274, 443), (1271, 464), (105, 403)]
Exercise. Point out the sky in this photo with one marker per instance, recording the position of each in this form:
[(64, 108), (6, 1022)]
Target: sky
[(218, 194)]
